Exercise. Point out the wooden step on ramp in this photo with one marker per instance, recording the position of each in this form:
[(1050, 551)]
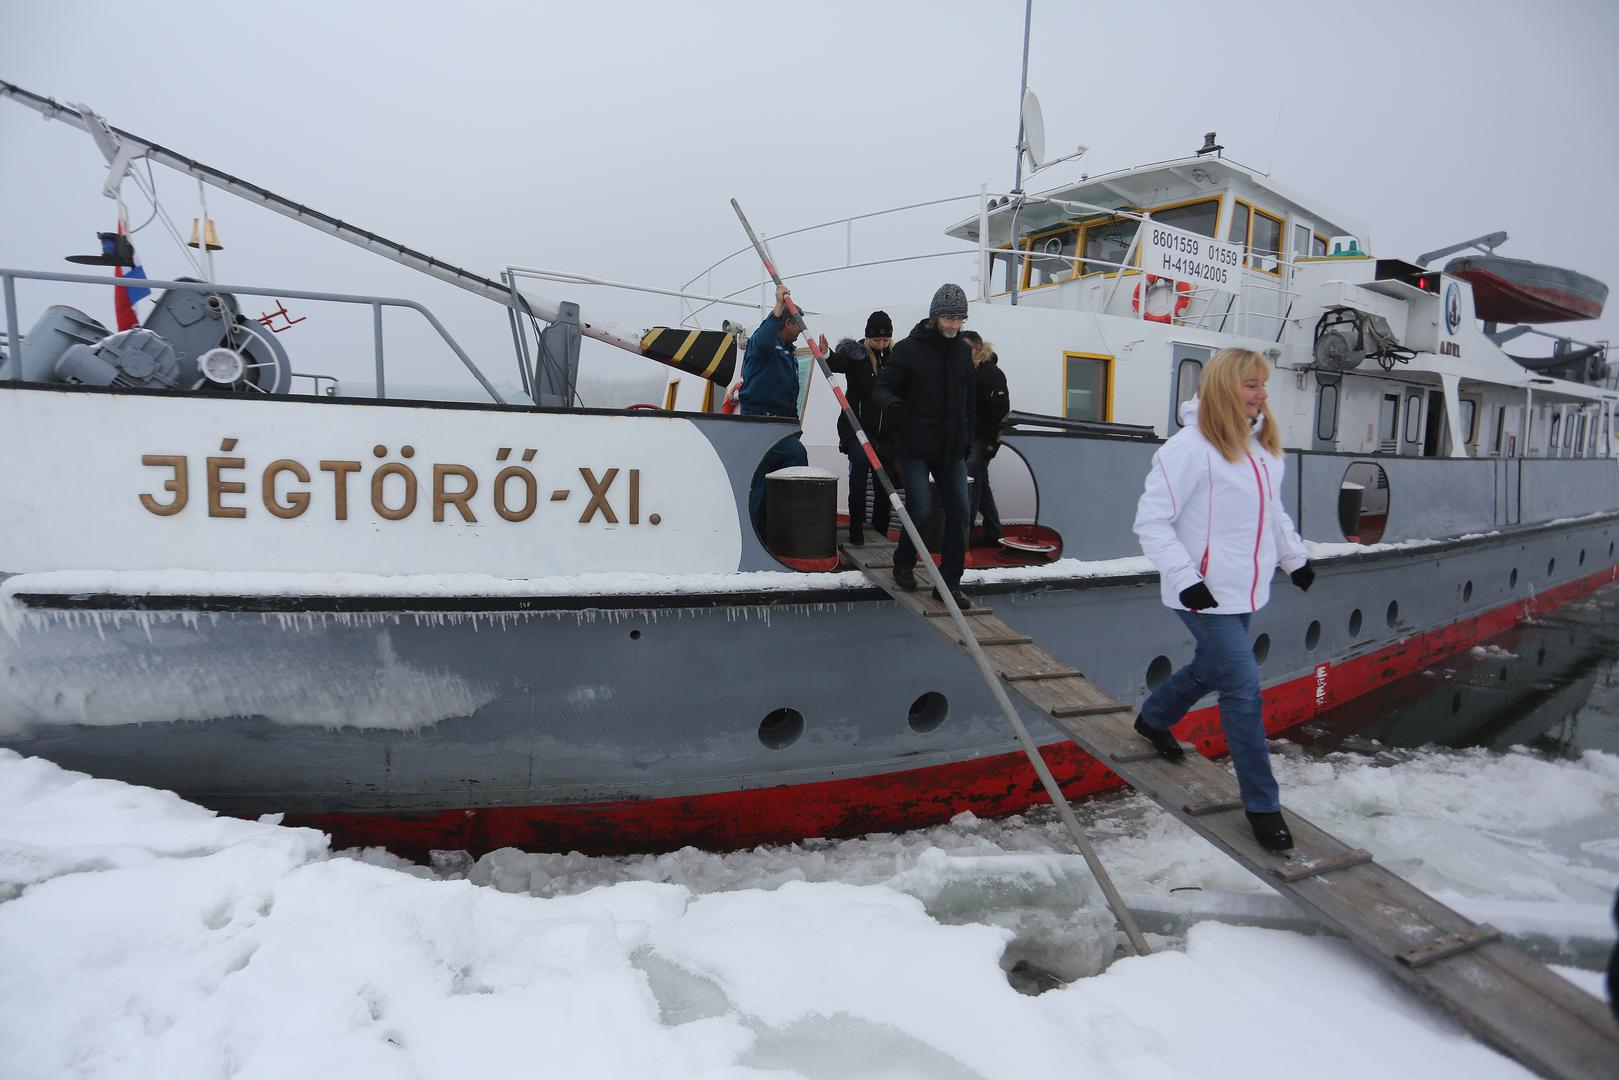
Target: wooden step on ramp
[(1498, 992)]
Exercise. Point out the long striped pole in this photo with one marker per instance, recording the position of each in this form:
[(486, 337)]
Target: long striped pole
[(1030, 750)]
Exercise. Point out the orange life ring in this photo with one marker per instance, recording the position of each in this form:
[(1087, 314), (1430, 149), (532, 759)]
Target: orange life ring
[(1183, 297), (732, 402)]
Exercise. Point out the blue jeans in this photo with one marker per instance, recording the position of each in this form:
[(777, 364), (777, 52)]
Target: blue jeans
[(983, 498), (860, 474), (952, 479), (1224, 661), (787, 453)]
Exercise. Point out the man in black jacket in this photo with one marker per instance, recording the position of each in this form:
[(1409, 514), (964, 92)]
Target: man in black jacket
[(859, 362), (993, 406), (926, 392)]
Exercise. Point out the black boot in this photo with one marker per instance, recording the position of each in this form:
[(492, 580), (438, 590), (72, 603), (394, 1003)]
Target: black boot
[(905, 578), (857, 533), (1270, 830), (1162, 741)]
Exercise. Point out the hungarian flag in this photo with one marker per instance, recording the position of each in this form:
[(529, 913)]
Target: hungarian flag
[(123, 298)]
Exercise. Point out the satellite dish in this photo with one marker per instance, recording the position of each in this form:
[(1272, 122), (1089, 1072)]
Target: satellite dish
[(1034, 130)]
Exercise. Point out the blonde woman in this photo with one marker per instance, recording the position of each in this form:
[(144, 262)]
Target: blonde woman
[(1211, 520)]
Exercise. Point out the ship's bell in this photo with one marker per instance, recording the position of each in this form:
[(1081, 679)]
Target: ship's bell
[(197, 226), (116, 250)]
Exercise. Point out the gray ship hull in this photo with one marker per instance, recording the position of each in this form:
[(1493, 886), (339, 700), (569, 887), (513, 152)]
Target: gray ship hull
[(639, 723)]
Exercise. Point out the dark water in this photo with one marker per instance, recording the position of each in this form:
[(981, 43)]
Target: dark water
[(1549, 684)]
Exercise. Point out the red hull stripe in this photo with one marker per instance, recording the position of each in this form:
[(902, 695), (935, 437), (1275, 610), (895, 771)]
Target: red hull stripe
[(989, 787)]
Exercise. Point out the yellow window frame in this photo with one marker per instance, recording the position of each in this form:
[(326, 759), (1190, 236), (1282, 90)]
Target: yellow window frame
[(1107, 381), (1027, 270), (1281, 235)]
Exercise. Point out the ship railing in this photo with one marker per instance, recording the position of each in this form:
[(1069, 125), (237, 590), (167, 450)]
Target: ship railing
[(760, 285), (8, 287), (984, 253)]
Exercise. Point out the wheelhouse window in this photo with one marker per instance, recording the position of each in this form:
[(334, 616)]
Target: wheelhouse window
[(1053, 259), (1556, 429), (1107, 242), (1198, 217), (1237, 231), (1265, 243), (1085, 386), (1302, 241), (1188, 376)]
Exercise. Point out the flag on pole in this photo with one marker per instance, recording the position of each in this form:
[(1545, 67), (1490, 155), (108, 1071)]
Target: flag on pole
[(124, 297)]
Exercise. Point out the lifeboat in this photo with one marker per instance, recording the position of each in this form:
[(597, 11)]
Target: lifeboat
[(1519, 291)]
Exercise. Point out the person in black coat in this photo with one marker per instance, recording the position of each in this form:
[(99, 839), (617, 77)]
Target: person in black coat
[(859, 362), (926, 394), (993, 405)]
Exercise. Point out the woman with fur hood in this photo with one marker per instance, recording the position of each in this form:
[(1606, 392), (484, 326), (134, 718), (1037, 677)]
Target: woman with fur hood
[(1212, 522)]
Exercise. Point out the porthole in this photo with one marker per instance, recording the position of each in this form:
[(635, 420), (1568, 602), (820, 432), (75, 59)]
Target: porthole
[(1392, 616), (1363, 503), (1512, 582), (1312, 635), (1551, 567), (1582, 556), (1354, 623), (1261, 648), (1158, 671), (635, 635), (1467, 592), (1455, 703), (1540, 656), (1610, 549), (928, 712), (781, 728)]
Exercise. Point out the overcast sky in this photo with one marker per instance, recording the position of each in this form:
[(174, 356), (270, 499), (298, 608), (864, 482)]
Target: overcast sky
[(607, 138)]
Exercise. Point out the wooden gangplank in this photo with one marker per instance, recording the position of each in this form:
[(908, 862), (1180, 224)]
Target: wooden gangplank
[(1499, 993)]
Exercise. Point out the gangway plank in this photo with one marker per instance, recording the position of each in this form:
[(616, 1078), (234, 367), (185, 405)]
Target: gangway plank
[(1499, 993)]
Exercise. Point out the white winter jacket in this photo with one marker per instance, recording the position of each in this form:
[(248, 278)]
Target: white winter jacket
[(1203, 518)]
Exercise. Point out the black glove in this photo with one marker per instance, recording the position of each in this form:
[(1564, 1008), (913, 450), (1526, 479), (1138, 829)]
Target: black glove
[(1197, 597), (851, 350), (991, 450), (1303, 577)]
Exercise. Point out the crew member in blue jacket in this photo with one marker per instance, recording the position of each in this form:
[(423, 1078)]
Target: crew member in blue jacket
[(770, 388)]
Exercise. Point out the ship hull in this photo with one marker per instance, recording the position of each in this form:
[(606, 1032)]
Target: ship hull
[(639, 725)]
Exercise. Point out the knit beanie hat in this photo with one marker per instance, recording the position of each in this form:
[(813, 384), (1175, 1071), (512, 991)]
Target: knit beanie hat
[(878, 324), (949, 300)]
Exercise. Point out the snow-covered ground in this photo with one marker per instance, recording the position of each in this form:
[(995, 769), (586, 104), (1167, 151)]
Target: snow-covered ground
[(142, 936)]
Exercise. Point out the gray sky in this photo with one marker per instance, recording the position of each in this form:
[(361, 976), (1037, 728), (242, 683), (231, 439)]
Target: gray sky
[(607, 139)]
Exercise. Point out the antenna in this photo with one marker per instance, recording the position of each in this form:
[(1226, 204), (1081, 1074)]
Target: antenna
[(1017, 181), (1034, 131)]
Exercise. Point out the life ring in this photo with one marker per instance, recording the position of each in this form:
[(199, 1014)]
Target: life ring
[(732, 398), (1183, 297)]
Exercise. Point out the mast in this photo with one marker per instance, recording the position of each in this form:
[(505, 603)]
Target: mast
[(122, 152), (1017, 176)]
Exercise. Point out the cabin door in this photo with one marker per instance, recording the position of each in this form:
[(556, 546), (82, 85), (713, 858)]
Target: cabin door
[(1185, 374), (1411, 426)]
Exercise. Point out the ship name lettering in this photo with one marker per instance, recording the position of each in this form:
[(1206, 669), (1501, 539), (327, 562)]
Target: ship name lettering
[(1450, 348), (288, 488), (297, 501), (177, 484), (218, 486)]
